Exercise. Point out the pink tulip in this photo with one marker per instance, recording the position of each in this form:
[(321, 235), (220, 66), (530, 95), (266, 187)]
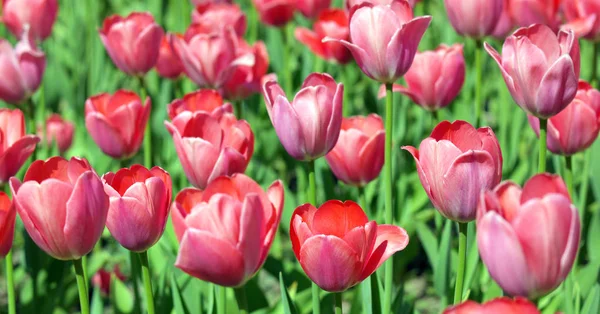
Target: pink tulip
[(351, 3), (117, 122), (247, 80), (332, 23), (202, 100), (62, 205), (21, 69), (384, 38), (357, 158), (309, 126), (312, 8), (527, 12), (505, 23), (7, 224), (37, 16), (455, 164), (501, 305), (209, 147), (275, 12), (58, 131), (540, 68), (215, 17), (168, 64), (576, 127), (225, 232), (139, 205), (133, 42), (338, 247), (435, 78), (15, 145), (474, 18), (584, 18), (536, 229)]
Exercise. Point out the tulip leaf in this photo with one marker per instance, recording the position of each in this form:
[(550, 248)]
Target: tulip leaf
[(593, 238), (369, 290), (440, 272), (178, 301), (429, 242), (288, 305), (96, 307), (592, 302), (121, 297)]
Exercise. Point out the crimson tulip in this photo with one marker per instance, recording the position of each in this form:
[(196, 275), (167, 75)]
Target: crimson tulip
[(7, 224), (202, 100), (36, 16), (332, 23), (501, 305), (59, 131), (15, 145), (22, 69)]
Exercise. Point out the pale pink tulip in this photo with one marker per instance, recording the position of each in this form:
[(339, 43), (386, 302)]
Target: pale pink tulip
[(21, 70), (15, 145), (474, 18), (7, 224), (36, 16)]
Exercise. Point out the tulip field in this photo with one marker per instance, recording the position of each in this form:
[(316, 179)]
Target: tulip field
[(300, 156)]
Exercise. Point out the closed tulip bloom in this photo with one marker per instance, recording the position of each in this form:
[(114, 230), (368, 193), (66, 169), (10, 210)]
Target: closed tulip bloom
[(455, 164), (140, 200), (583, 17), (168, 64), (527, 12), (7, 224), (332, 23), (215, 17), (246, 80), (502, 305), (21, 69), (474, 18), (312, 8), (540, 68), (37, 16), (576, 127), (58, 131), (309, 126), (275, 12), (357, 158), (540, 257), (209, 147), (338, 247), (202, 100), (132, 42), (384, 38), (117, 122), (225, 232), (62, 205), (505, 23), (15, 145)]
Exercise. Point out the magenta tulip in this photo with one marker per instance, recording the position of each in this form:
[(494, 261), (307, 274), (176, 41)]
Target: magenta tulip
[(37, 16), (215, 17), (474, 18), (202, 100), (58, 131), (8, 213), (21, 69), (15, 145)]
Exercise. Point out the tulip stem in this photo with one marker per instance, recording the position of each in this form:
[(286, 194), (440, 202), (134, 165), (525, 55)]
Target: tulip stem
[(83, 294), (239, 109), (462, 256), (134, 278), (148, 131), (337, 297), (594, 79), (312, 198), (221, 299), (287, 71), (242, 300), (542, 145), (388, 174), (478, 77), (10, 283), (147, 281), (569, 175)]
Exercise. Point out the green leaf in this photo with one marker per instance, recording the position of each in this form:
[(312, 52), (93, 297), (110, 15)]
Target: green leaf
[(429, 242), (441, 273), (178, 301), (288, 305), (96, 307), (121, 297), (592, 302), (369, 290)]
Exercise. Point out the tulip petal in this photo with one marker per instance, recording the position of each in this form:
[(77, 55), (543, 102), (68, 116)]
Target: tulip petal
[(15, 156), (337, 218), (106, 137), (252, 233), (542, 184), (557, 88), (390, 239), (402, 47), (287, 126)]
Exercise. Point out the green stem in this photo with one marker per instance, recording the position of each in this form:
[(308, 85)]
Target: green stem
[(583, 190), (337, 297), (239, 109), (83, 294), (388, 174), (221, 299), (362, 196), (242, 300), (134, 279), (462, 256), (287, 73), (147, 282), (346, 108), (478, 77), (312, 198), (594, 78), (569, 175), (542, 145), (148, 131), (10, 283)]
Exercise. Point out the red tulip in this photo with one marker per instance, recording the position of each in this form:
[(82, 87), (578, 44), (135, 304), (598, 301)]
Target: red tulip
[(63, 206), (455, 164), (312, 8), (37, 16), (168, 64), (225, 232), (117, 122), (474, 18), (102, 279), (139, 205), (15, 145), (332, 23), (21, 69), (537, 229), (7, 224), (502, 305), (215, 17), (527, 12), (357, 158), (58, 131), (247, 80), (275, 12), (337, 245), (133, 42), (209, 147), (547, 82), (384, 38), (583, 17), (202, 100)]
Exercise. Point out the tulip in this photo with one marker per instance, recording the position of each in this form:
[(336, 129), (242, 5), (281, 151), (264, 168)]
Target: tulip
[(338, 247), (58, 131), (117, 122), (527, 12), (384, 38), (351, 3), (168, 64), (199, 2), (583, 17), (312, 8), (505, 23), (540, 258), (202, 100), (474, 18), (455, 164), (501, 305), (103, 278), (332, 23), (546, 82), (247, 80), (7, 224), (62, 205), (275, 12), (133, 42), (37, 16), (15, 145), (22, 69), (357, 158), (576, 127), (225, 232), (209, 147), (309, 126), (139, 205), (215, 17)]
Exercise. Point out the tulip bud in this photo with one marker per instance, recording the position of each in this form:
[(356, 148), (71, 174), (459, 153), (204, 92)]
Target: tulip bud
[(15, 145), (35, 16)]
